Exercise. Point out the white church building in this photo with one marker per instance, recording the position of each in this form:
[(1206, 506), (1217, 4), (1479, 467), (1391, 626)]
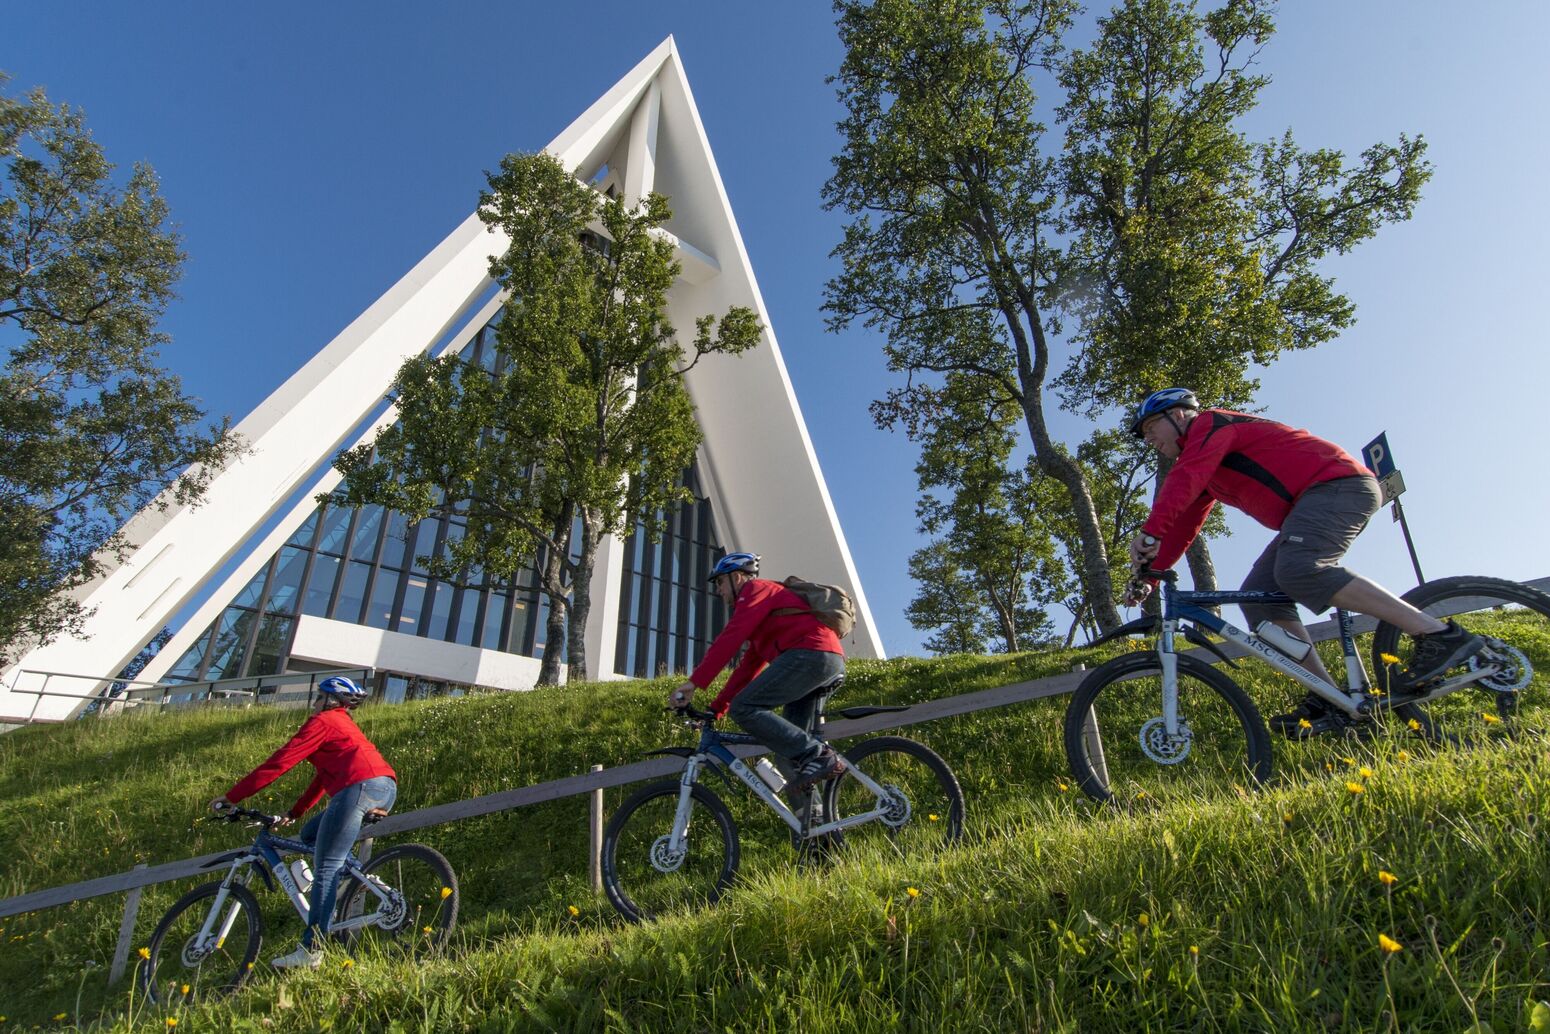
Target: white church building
[(267, 581)]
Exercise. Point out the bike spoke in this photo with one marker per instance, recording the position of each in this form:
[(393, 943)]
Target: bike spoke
[(648, 876)]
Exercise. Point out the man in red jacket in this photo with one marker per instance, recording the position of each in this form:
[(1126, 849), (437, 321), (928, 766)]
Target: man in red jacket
[(790, 654), (1313, 494), (356, 778)]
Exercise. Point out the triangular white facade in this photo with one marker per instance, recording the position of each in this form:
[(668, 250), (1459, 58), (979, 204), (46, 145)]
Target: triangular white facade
[(757, 462)]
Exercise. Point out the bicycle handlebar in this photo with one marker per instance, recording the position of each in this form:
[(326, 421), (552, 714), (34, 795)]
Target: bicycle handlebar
[(236, 813), (690, 711)]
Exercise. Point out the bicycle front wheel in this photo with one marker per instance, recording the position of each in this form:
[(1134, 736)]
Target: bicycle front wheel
[(186, 967), (422, 904), (921, 805), (1120, 750), (645, 874)]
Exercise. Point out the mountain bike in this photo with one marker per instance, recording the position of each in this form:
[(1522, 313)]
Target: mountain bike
[(402, 900), (1156, 721), (674, 843)]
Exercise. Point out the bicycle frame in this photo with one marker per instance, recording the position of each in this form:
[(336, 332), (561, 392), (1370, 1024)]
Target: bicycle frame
[(712, 750), (1357, 698), (266, 853)]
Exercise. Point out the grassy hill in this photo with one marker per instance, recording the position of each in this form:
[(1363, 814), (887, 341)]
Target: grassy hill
[(1252, 911)]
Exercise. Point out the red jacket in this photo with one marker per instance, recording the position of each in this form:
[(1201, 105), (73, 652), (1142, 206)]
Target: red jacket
[(1257, 465), (334, 745), (767, 634)]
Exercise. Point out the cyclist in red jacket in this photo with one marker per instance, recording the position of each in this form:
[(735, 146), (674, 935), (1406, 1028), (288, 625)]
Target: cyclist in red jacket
[(356, 778), (1313, 494), (790, 654)]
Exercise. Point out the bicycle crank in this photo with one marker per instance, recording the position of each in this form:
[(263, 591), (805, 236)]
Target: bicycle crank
[(1163, 748)]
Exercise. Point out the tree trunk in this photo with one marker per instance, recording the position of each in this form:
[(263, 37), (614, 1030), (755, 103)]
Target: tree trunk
[(581, 598), (553, 587), (1201, 567), (1092, 566)]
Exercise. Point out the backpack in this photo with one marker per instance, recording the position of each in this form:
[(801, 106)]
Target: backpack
[(830, 604)]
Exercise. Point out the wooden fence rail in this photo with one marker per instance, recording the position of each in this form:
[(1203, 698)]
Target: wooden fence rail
[(607, 778)]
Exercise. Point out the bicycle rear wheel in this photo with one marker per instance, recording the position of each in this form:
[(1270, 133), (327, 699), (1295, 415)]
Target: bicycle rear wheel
[(422, 907), (1118, 746), (181, 968), (921, 806), (642, 874), (1444, 598)]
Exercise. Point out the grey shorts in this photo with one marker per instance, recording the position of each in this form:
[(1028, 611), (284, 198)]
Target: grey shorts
[(1303, 560)]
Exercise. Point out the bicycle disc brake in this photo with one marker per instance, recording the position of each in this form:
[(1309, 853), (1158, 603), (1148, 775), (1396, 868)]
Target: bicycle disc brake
[(1162, 748), (663, 857), (1513, 670), (194, 953)]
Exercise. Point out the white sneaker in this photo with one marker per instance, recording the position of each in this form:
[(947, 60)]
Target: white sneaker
[(301, 958), (301, 872)]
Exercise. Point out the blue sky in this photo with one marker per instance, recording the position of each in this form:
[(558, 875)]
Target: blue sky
[(311, 154)]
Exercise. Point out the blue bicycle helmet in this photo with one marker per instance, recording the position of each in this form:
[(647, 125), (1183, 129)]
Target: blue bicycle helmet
[(1161, 402), (748, 562), (342, 689)]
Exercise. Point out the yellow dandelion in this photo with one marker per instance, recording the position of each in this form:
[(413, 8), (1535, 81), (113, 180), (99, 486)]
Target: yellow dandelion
[(250, 965), (348, 963), (1415, 726), (426, 931), (1389, 944), (1403, 755), (1144, 919), (1356, 787), (1490, 719), (573, 910), (60, 1016), (1387, 878), (1062, 785), (931, 818), (1364, 772), (1303, 723), (912, 892), (446, 892), (1349, 761), (1194, 951), (1388, 658), (1328, 767), (1142, 795), (145, 953), (172, 1021), (183, 990), (1286, 817)]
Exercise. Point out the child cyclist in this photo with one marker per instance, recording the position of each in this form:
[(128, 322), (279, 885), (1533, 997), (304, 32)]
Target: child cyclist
[(356, 778), (790, 654)]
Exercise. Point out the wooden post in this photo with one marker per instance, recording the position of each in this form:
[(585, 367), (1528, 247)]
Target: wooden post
[(126, 933), (595, 839)]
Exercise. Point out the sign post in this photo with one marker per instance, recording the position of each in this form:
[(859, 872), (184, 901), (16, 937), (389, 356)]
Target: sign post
[(1380, 461)]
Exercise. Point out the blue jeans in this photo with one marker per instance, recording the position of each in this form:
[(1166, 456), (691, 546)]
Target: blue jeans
[(332, 834), (790, 680)]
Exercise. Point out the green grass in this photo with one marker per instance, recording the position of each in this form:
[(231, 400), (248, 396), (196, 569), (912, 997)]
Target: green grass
[(1034, 923)]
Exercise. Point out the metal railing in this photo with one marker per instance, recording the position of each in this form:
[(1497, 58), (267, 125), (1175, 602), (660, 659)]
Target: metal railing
[(294, 689)]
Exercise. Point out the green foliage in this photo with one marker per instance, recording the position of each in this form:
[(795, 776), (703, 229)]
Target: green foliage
[(582, 419), (92, 429), (990, 571), (1152, 245)]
